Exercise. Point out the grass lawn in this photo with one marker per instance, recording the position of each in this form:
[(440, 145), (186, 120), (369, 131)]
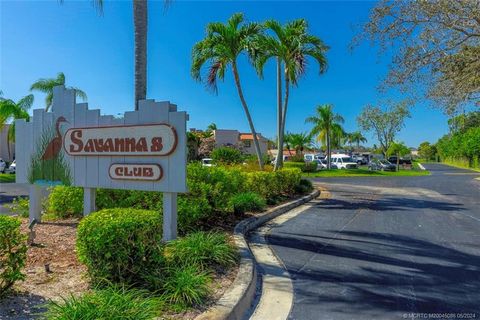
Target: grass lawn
[(364, 173), (7, 177)]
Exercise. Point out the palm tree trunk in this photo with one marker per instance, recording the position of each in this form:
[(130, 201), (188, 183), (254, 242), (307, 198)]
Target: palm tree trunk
[(247, 113), (279, 159), (140, 25), (285, 105), (329, 158)]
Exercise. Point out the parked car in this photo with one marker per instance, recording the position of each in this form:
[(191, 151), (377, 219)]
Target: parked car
[(402, 161), (310, 157), (13, 167), (359, 159), (3, 165), (382, 165), (343, 161), (207, 162)]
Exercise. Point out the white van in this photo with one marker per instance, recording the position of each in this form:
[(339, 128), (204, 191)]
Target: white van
[(344, 161)]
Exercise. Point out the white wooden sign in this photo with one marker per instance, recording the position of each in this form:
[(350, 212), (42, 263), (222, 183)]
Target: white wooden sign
[(72, 145)]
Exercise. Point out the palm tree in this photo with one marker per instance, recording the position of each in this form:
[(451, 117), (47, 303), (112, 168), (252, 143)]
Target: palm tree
[(140, 23), (291, 45), (46, 86), (299, 141), (357, 138), (221, 47), (326, 125), (11, 111)]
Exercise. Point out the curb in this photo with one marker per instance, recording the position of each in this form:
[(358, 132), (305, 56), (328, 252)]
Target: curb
[(236, 301), (421, 166)]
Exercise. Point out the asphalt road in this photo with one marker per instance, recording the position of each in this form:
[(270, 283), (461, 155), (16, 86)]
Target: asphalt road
[(386, 248)]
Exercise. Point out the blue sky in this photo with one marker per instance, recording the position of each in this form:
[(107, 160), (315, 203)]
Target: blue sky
[(41, 38)]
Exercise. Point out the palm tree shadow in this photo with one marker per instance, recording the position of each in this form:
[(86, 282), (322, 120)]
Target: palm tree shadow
[(358, 272)]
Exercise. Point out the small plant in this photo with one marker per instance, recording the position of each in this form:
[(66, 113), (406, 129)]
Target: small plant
[(227, 155), (121, 245), (64, 202), (13, 253), (202, 250), (20, 206), (309, 167), (186, 286), (304, 186), (248, 201), (114, 302)]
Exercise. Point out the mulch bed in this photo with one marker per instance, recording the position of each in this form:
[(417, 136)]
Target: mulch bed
[(54, 245)]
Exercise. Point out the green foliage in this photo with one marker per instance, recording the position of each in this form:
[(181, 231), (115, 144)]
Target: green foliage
[(227, 155), (273, 185), (304, 186), (64, 202), (114, 302), (247, 202), (461, 147), (7, 178), (20, 206), (309, 167), (186, 286), (13, 253), (385, 124), (52, 170), (297, 158), (427, 151), (121, 245), (203, 250)]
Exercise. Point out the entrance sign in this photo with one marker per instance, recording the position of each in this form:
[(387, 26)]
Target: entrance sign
[(147, 172), (141, 140), (72, 145)]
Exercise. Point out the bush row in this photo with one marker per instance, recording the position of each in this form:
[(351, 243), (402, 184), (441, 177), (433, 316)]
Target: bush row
[(213, 192)]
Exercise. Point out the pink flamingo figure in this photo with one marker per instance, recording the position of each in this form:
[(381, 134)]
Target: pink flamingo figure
[(54, 147)]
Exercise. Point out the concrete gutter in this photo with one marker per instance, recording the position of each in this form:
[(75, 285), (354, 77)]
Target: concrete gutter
[(238, 299)]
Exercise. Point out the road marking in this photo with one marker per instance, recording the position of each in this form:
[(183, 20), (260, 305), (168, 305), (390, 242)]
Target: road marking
[(276, 299)]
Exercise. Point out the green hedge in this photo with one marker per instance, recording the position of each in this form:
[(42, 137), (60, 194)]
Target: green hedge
[(211, 190), (13, 253), (121, 245)]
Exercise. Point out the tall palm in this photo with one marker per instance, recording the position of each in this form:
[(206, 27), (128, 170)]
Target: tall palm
[(326, 125), (140, 24), (299, 141), (221, 47), (357, 138), (46, 86), (291, 45), (11, 111)]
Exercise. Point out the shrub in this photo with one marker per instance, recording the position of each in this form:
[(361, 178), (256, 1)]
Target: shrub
[(20, 206), (201, 249), (110, 198), (309, 167), (192, 213), (64, 202), (110, 303), (13, 253), (297, 158), (186, 286), (227, 155), (121, 245), (304, 186), (272, 185), (248, 201)]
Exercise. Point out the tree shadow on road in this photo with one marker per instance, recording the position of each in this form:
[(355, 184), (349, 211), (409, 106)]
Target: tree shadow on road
[(358, 272)]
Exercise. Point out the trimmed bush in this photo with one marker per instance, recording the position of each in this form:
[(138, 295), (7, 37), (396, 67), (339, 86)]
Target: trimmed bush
[(186, 286), (65, 202), (20, 206), (202, 250), (121, 245), (309, 167), (248, 201), (110, 303), (13, 253), (304, 186), (227, 155)]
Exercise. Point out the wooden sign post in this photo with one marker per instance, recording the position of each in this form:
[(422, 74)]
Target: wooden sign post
[(74, 146)]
